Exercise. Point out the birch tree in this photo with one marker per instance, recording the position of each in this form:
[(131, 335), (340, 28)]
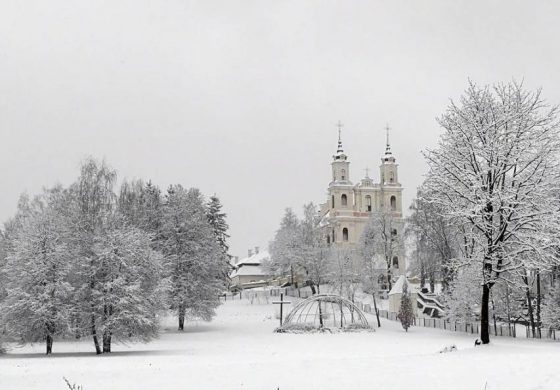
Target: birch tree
[(495, 170)]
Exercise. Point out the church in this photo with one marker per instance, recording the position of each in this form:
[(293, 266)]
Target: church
[(349, 206)]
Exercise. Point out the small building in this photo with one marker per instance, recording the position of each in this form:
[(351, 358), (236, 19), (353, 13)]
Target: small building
[(396, 293), (249, 272), (424, 304)]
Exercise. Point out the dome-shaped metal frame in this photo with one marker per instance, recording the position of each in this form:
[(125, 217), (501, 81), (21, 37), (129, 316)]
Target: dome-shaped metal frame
[(326, 310)]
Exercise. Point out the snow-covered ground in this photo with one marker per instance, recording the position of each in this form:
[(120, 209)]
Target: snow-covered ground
[(238, 350)]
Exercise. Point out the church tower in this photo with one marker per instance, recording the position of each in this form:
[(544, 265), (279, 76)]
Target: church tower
[(350, 207), (389, 181), (340, 164)]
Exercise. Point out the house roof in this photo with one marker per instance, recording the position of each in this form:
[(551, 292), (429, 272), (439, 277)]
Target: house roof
[(249, 270), (251, 266), (255, 259)]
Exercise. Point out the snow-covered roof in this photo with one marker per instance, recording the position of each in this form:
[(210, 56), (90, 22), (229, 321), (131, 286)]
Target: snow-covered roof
[(399, 284), (257, 258), (249, 270), (252, 265)]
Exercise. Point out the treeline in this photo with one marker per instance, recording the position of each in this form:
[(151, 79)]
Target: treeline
[(486, 220), (87, 261), (302, 251)]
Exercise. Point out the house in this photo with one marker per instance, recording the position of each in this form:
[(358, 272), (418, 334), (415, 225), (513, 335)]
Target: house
[(249, 272)]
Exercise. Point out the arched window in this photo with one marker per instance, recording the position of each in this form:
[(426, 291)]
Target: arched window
[(328, 239), (343, 174), (368, 203), (393, 203), (344, 200), (345, 234), (391, 177), (332, 203), (395, 262)]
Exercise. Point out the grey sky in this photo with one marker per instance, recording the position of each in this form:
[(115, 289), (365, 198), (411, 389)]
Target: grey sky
[(240, 98)]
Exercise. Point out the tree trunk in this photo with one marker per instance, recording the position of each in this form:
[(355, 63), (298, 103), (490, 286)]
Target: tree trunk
[(106, 342), (376, 311), (181, 318), (49, 344), (484, 320), (291, 275), (508, 310), (539, 325), (432, 282), (94, 334), (529, 304)]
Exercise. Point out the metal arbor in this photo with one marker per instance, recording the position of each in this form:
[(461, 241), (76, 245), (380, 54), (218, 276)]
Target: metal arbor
[(325, 311)]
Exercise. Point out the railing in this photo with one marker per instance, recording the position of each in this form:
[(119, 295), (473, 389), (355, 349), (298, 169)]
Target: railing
[(503, 330)]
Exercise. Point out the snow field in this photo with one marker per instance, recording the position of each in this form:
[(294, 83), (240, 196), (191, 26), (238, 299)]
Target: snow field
[(238, 350)]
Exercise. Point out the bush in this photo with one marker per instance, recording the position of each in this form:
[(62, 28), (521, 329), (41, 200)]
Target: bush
[(357, 327)]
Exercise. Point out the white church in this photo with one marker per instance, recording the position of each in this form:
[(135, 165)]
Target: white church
[(349, 206)]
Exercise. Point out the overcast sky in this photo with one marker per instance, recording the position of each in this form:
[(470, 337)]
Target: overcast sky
[(241, 98)]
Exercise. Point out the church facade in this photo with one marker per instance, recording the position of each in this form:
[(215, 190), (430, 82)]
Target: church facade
[(350, 206)]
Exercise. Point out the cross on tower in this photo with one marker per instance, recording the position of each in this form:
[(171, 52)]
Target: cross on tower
[(387, 128), (340, 126), (367, 171)]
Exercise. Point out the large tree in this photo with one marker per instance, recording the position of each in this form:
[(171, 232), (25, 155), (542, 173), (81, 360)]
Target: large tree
[(314, 250), (194, 259), (495, 170), (285, 248), (38, 302), (368, 257)]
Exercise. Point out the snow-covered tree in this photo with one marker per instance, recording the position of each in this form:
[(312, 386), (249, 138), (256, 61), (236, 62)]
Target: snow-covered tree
[(462, 298), (496, 170), (38, 302), (368, 261), (435, 241), (314, 250), (126, 296), (194, 259), (285, 248), (551, 308), (92, 212), (344, 271), (217, 220), (406, 312), (387, 239), (3, 261)]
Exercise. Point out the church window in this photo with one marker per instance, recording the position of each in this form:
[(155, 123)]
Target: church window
[(391, 177), (344, 200), (332, 205), (393, 203), (395, 262), (345, 234), (328, 239), (368, 203), (343, 174), (393, 232)]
